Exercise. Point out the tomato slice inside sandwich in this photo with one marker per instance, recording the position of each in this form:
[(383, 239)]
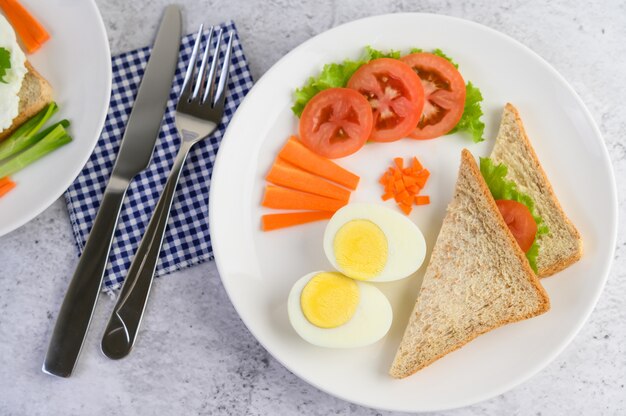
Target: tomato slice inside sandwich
[(395, 94), (444, 90), (520, 221), (336, 122)]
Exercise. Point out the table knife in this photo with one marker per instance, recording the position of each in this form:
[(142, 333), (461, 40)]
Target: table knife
[(135, 152)]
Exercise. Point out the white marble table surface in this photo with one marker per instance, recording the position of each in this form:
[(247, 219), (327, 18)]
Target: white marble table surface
[(195, 355)]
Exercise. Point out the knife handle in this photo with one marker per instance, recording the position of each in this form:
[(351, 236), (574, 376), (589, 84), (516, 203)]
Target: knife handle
[(121, 331), (80, 300)]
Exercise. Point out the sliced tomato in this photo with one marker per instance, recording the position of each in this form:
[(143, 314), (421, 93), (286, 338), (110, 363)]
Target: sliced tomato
[(336, 122), (444, 89), (396, 95), (520, 221)]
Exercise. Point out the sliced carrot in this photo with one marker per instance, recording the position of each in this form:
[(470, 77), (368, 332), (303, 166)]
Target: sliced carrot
[(30, 31), (299, 155), (422, 200), (283, 198), (289, 176), (6, 185), (271, 222), (399, 162)]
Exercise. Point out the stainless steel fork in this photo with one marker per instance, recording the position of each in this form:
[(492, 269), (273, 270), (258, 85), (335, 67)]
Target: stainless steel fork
[(198, 113)]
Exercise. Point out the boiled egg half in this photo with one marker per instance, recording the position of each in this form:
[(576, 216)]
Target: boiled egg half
[(374, 243), (328, 309)]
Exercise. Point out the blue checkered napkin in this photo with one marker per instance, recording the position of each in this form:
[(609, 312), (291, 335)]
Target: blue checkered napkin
[(187, 239)]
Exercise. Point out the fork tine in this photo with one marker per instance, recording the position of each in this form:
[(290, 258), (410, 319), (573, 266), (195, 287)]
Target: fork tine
[(192, 62), (208, 94), (221, 87), (202, 70)]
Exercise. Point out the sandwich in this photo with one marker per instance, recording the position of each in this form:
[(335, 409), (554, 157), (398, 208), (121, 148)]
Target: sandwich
[(503, 229), (24, 91), (558, 242), (478, 278)]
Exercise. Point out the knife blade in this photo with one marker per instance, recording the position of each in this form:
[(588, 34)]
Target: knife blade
[(134, 155)]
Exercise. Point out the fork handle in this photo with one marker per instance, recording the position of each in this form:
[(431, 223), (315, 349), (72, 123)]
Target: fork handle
[(121, 331)]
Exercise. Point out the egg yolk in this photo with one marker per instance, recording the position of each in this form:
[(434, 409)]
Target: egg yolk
[(360, 248), (329, 299)]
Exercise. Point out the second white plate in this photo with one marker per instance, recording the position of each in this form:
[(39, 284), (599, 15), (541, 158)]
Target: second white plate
[(77, 63)]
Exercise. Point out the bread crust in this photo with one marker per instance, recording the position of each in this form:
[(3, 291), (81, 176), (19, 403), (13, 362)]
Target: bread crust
[(575, 256), (44, 99), (467, 160)]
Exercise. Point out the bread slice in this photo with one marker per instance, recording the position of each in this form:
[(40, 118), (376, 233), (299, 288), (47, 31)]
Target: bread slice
[(562, 246), (477, 280), (34, 95)]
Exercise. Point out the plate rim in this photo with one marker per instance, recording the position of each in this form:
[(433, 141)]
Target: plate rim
[(64, 185), (606, 268)]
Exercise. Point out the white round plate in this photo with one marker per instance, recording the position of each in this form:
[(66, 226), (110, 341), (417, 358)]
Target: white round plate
[(77, 63), (258, 268)]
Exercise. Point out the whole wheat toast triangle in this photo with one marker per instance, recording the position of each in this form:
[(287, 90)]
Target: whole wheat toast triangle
[(562, 246), (478, 279)]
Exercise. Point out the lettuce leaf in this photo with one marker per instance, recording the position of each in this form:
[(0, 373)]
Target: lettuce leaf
[(440, 53), (502, 188), (371, 53), (5, 63), (471, 119)]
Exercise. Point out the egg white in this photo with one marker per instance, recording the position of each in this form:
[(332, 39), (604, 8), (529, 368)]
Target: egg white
[(406, 245), (370, 322)]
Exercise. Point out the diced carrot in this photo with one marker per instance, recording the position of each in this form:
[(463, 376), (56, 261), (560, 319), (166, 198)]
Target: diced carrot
[(416, 165), (299, 155), (403, 184), (289, 176), (283, 198), (414, 189), (387, 196), (271, 222), (409, 180), (405, 208), (385, 178), (6, 184), (422, 177), (30, 31)]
